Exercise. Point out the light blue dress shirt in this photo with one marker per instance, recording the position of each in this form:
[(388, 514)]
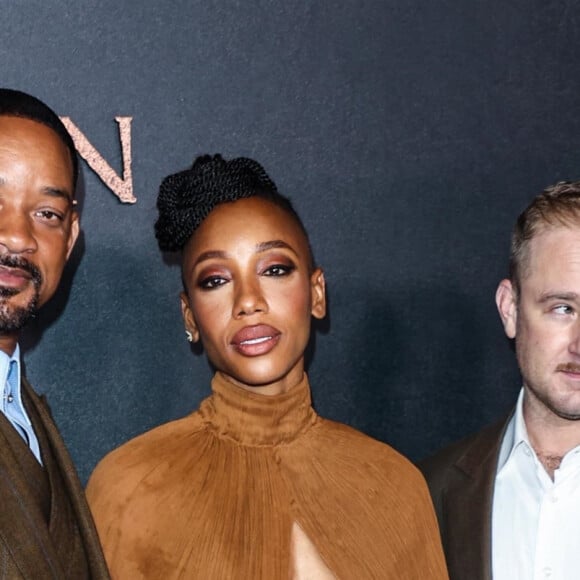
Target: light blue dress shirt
[(11, 400)]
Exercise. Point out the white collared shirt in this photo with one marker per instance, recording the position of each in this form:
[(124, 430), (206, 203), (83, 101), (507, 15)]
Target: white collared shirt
[(535, 521)]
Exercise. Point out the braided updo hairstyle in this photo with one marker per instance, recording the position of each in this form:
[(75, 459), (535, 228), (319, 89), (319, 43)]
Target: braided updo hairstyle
[(186, 198)]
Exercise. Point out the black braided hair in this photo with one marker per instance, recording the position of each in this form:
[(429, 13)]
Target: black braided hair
[(18, 104), (186, 198)]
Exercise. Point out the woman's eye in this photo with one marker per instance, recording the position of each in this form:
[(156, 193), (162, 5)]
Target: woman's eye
[(563, 309), (278, 270), (211, 282)]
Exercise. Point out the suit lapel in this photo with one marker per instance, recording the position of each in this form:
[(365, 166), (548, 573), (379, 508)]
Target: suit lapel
[(73, 488), (23, 529), (467, 505)]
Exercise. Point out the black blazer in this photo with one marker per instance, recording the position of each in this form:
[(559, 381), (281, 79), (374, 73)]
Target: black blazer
[(461, 481)]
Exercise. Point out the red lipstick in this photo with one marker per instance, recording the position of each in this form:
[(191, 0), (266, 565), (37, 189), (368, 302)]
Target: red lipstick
[(256, 340)]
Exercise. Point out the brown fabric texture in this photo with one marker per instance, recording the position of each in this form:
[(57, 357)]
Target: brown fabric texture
[(215, 495), (46, 530), (28, 466), (63, 527)]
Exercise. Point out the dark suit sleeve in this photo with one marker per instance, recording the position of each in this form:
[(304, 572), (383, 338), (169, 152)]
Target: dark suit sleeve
[(438, 469), (461, 481)]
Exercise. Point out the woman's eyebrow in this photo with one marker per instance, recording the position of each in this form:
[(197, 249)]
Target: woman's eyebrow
[(261, 247), (210, 255), (264, 246)]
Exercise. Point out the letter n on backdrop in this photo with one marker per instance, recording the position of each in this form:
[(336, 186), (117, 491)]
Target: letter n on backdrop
[(121, 187)]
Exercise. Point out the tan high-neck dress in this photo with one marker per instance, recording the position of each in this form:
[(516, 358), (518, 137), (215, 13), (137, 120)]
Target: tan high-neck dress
[(217, 495)]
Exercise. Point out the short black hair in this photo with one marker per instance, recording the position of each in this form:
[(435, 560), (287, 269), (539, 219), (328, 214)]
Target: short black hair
[(186, 198), (18, 104)]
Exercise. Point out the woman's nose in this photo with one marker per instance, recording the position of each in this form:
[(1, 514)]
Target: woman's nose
[(249, 299)]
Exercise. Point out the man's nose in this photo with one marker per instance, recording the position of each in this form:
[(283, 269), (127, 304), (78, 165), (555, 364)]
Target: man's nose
[(16, 234), (574, 345)]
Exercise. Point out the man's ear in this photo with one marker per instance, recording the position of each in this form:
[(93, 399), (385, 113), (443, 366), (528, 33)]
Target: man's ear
[(318, 294), (73, 234), (507, 306), (188, 318)]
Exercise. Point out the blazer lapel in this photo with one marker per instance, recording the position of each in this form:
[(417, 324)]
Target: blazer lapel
[(467, 505), (73, 487), (23, 529)]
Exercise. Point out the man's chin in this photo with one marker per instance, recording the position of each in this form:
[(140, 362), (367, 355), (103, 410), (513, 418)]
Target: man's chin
[(569, 410), (14, 317)]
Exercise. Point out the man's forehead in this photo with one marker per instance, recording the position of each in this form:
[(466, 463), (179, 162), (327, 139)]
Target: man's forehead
[(554, 246), (8, 120), (26, 141), (546, 233)]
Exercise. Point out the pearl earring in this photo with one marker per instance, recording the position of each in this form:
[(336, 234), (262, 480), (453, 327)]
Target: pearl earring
[(189, 336)]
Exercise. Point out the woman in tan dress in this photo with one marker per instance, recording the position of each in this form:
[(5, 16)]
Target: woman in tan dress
[(255, 485)]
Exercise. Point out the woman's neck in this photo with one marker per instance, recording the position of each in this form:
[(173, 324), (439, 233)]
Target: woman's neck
[(278, 387)]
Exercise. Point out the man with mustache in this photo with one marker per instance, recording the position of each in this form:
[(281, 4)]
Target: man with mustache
[(507, 498), (46, 530)]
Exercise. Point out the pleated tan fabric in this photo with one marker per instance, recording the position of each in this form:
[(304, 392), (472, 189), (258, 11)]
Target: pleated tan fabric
[(215, 496)]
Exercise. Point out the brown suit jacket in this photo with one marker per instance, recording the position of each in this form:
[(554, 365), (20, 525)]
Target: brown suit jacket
[(26, 548), (461, 481)]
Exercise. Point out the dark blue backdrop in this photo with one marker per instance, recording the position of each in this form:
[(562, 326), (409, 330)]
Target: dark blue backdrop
[(410, 135)]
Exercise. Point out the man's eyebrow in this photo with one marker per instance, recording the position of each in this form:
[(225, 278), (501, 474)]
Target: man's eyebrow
[(567, 296), (57, 192), (52, 192)]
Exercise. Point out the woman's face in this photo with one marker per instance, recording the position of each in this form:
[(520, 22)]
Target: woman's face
[(250, 294)]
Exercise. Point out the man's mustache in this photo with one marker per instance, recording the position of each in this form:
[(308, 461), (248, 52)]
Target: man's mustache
[(23, 264), (568, 368)]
